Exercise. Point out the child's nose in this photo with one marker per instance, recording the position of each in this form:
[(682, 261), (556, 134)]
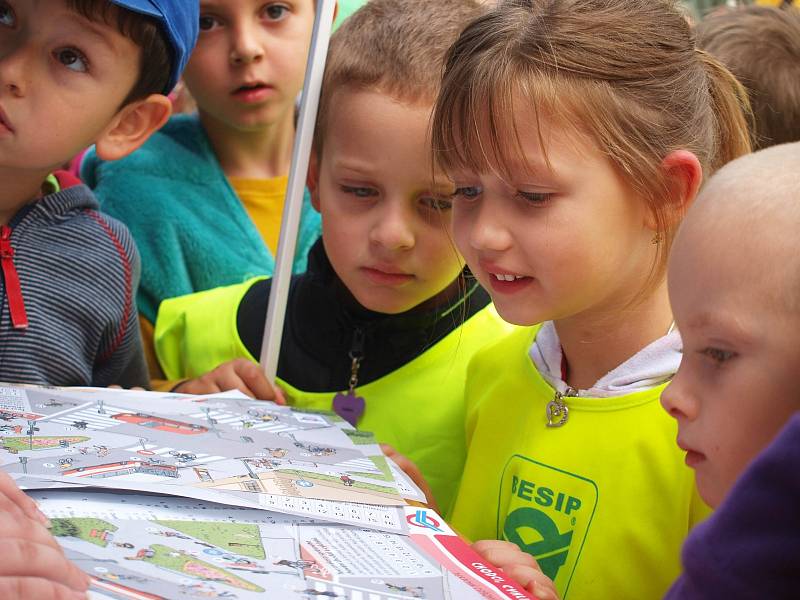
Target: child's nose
[(677, 400), (486, 229), (246, 49), (392, 230), (14, 73)]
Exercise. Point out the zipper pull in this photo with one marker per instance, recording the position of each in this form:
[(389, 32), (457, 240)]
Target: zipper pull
[(356, 355), (346, 404), (16, 303), (557, 410)]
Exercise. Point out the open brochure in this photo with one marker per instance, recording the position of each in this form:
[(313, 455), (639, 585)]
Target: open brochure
[(244, 499)]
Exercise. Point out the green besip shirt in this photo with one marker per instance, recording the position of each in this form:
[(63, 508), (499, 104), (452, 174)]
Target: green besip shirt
[(411, 374), (603, 503)]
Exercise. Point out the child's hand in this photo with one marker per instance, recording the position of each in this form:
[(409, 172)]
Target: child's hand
[(33, 565), (519, 566), (412, 470), (238, 374)]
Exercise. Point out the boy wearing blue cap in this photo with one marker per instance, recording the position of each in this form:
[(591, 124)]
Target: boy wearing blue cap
[(72, 73)]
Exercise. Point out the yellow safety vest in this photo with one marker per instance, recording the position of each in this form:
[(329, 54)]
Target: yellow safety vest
[(603, 502), (418, 408)]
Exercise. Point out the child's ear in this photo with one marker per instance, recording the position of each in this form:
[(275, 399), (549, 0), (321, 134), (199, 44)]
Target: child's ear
[(312, 179), (684, 175), (132, 126)]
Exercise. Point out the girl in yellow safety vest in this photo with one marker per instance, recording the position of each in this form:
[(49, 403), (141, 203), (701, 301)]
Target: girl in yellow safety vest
[(577, 133)]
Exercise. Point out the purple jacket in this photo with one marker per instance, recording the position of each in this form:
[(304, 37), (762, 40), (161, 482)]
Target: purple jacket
[(750, 548)]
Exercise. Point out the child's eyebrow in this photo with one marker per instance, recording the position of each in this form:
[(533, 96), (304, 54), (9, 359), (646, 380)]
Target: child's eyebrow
[(208, 5), (728, 325), (351, 165), (95, 30), (531, 167)]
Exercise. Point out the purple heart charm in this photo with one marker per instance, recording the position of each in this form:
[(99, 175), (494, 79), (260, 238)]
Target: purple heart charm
[(349, 406)]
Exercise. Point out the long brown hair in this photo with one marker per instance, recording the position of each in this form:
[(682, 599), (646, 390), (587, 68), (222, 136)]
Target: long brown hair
[(625, 71)]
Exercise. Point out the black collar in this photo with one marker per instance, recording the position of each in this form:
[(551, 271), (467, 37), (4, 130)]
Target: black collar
[(325, 323)]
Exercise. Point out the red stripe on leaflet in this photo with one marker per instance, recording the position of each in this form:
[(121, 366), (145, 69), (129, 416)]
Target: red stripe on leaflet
[(503, 586)]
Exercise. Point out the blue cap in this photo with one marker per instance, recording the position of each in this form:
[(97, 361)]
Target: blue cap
[(179, 20)]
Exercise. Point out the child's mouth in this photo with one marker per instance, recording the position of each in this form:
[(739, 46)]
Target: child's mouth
[(252, 92), (694, 458), (4, 123), (504, 281)]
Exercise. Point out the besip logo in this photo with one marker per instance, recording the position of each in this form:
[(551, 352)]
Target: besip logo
[(421, 518)]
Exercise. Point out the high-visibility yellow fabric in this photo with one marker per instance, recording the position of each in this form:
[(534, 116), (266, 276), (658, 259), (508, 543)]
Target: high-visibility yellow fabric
[(196, 333), (418, 408), (603, 502)]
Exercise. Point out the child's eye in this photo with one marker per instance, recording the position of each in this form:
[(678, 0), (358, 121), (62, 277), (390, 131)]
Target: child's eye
[(437, 203), (468, 192), (718, 355), (359, 192), (73, 59), (208, 22), (535, 197), (7, 16), (275, 12)]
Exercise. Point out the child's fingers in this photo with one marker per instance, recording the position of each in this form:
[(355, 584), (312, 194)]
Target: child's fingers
[(280, 398), (518, 565), (501, 554), (413, 472), (533, 580), (14, 500), (25, 529), (24, 558), (545, 591), (389, 450), (200, 386), (254, 379), (26, 588)]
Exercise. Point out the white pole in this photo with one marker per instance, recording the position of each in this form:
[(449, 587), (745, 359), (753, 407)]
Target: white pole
[(315, 68)]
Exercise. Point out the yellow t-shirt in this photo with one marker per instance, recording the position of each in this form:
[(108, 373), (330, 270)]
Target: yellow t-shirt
[(603, 503), (263, 200)]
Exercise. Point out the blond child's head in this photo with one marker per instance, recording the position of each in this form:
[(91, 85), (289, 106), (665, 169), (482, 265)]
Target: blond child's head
[(385, 213), (761, 46), (577, 132), (734, 284)]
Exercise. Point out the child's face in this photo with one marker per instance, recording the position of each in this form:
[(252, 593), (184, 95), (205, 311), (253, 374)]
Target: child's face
[(62, 80), (737, 383), (553, 243), (385, 227), (249, 63)]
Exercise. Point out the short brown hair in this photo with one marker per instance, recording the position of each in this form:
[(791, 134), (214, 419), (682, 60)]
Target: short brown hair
[(626, 71), (157, 57), (761, 46), (396, 47)]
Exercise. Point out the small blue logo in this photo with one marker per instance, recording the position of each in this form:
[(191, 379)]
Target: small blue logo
[(421, 519)]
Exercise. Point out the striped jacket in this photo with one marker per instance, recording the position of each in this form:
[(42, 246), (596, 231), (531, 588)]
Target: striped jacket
[(67, 307)]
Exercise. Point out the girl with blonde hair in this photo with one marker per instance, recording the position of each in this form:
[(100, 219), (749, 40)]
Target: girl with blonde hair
[(577, 133)]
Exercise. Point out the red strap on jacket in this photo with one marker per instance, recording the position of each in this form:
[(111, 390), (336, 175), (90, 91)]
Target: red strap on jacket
[(66, 179), (16, 303)]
